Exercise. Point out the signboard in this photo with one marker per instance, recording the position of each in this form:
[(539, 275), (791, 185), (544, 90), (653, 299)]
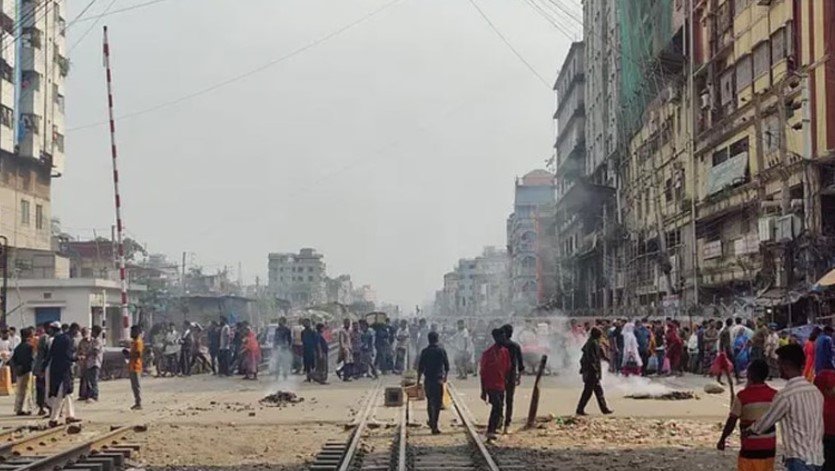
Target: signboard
[(712, 249)]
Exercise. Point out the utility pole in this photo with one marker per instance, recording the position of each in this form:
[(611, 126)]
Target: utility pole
[(785, 197), (691, 148)]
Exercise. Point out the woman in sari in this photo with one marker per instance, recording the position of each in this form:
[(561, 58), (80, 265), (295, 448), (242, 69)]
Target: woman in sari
[(251, 353), (675, 348), (320, 374), (809, 350)]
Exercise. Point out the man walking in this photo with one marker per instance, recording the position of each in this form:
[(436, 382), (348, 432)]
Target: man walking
[(433, 365), (825, 382), (757, 452), (799, 409), (590, 369), (345, 355), (514, 378), (462, 346), (495, 366)]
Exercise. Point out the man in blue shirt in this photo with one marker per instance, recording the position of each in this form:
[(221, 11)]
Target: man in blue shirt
[(642, 335), (823, 350)]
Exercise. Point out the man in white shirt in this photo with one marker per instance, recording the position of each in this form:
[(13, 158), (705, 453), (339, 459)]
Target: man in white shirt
[(462, 348), (799, 409)]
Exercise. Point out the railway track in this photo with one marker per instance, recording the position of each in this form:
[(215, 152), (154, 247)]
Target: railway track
[(411, 447), (46, 451)]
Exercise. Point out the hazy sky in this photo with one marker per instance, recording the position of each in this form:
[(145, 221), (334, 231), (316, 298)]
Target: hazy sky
[(391, 148)]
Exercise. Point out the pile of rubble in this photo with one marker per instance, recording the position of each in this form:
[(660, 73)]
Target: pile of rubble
[(281, 399), (668, 396)]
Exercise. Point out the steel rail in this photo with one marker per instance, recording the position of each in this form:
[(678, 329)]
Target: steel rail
[(353, 445), (401, 445), (14, 447), (62, 458), (465, 416)]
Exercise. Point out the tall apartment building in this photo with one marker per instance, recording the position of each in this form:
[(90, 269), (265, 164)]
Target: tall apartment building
[(298, 278), (33, 67), (530, 241), (580, 211)]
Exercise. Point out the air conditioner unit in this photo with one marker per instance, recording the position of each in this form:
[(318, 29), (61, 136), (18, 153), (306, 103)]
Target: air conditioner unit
[(787, 227), (766, 229)]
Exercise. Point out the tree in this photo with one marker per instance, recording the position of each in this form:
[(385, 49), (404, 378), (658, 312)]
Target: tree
[(133, 249)]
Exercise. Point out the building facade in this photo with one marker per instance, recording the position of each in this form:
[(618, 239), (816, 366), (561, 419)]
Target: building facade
[(298, 278), (530, 241), (709, 181), (33, 68), (476, 287)]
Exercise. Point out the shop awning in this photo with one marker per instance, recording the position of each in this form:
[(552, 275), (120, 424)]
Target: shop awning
[(828, 279)]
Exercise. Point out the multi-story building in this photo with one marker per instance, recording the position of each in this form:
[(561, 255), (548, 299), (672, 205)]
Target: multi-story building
[(580, 210), (719, 154), (765, 132), (298, 278), (477, 286), (33, 66), (530, 244)]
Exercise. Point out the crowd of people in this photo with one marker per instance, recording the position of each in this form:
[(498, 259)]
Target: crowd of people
[(668, 347), (45, 361)]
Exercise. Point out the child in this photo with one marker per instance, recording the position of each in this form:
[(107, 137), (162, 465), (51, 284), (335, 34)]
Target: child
[(757, 451)]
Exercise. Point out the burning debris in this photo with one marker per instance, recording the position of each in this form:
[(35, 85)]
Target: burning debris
[(668, 396), (281, 399)]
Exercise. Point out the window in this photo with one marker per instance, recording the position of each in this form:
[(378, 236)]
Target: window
[(31, 80), (59, 141), (6, 116), (740, 5), (38, 217), (668, 190), (6, 71), (309, 278), (24, 212), (762, 59), (743, 73), (720, 156), (739, 147), (778, 45)]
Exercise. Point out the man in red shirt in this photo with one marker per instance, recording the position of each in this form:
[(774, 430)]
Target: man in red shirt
[(494, 371), (825, 381), (757, 451)]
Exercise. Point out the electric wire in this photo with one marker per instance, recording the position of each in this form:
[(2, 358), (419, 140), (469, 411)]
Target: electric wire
[(246, 74), (508, 44)]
